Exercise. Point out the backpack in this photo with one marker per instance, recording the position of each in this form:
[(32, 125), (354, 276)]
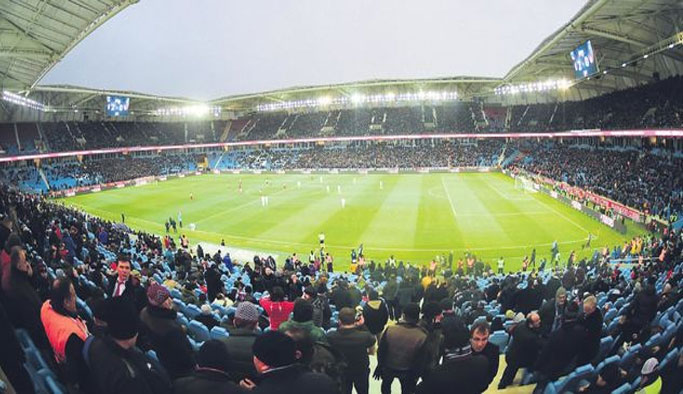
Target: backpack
[(328, 361), (319, 304)]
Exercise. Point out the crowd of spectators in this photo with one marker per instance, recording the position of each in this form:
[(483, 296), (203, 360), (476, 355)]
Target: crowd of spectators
[(385, 155), (124, 167), (108, 310), (644, 180), (653, 105)]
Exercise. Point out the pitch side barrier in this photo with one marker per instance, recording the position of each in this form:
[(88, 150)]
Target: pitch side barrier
[(664, 133), (617, 224)]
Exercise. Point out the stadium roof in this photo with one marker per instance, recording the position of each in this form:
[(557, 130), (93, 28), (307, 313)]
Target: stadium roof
[(622, 32), (633, 40), (36, 34)]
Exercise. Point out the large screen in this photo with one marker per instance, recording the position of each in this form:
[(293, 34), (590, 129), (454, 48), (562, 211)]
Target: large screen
[(584, 60), (117, 105)]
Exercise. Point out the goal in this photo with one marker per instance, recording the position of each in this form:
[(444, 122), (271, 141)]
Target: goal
[(525, 184)]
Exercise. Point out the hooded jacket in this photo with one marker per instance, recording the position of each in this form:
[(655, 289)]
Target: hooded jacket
[(376, 315)]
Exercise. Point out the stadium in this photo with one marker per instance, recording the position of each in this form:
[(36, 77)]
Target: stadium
[(515, 233)]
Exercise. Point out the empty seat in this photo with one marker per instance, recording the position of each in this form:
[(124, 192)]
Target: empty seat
[(199, 331), (500, 338), (608, 361), (570, 383), (219, 333), (605, 346), (192, 311)]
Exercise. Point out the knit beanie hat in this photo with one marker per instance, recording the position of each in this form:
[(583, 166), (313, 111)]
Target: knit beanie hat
[(157, 294), (246, 311)]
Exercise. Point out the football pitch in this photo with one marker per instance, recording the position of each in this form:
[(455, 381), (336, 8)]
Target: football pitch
[(411, 216)]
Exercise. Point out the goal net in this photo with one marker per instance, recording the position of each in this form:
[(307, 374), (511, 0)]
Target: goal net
[(525, 184)]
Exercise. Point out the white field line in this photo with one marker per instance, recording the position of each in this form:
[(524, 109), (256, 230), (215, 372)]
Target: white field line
[(448, 195), (560, 214)]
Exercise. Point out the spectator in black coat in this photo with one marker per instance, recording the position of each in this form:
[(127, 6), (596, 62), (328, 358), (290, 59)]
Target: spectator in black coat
[(402, 352), (120, 284), (242, 336), (276, 362), (354, 342), (523, 350), (529, 298), (166, 336), (207, 318), (461, 370), (375, 313), (214, 285), (212, 374), (116, 364), (561, 350), (12, 356), (640, 312), (591, 321), (479, 339), (341, 296), (552, 312), (21, 299)]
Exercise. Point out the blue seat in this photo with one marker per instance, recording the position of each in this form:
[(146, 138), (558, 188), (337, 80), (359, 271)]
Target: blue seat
[(550, 389), (605, 346), (611, 314), (176, 294), (192, 311), (623, 389), (668, 358), (608, 361), (570, 383), (636, 383), (654, 340), (219, 333), (179, 304), (53, 387), (630, 356), (199, 331), (181, 319), (195, 345), (500, 338)]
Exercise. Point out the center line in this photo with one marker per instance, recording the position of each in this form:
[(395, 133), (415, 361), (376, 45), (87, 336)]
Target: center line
[(450, 202)]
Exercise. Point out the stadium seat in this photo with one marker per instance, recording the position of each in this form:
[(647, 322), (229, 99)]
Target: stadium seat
[(608, 361), (654, 340), (153, 355), (192, 311), (606, 344), (611, 314), (623, 389), (199, 331), (569, 383), (219, 333), (630, 355), (195, 345), (180, 318), (500, 338)]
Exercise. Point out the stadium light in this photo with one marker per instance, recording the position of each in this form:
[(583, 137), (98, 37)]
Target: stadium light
[(23, 101), (532, 87), (359, 99), (197, 110)]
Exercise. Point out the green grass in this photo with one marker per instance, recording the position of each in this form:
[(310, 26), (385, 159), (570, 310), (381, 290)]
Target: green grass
[(414, 216)]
